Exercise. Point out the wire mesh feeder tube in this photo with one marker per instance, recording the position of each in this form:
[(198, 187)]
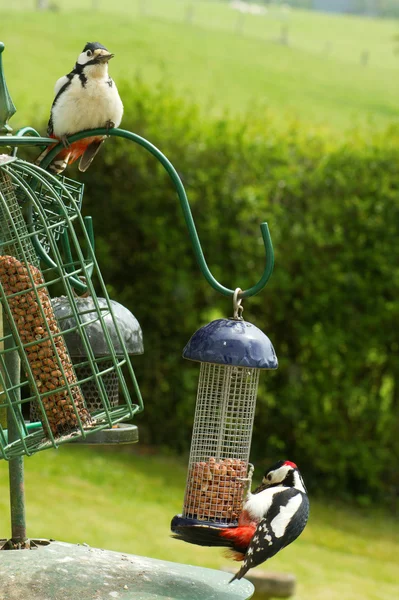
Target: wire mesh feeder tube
[(27, 304), (220, 444), (231, 353), (46, 353)]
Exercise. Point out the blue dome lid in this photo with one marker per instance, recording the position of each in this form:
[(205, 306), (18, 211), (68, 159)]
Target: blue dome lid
[(232, 342)]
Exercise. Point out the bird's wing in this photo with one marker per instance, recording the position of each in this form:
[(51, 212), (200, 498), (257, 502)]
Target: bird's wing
[(89, 154), (59, 83), (283, 522)]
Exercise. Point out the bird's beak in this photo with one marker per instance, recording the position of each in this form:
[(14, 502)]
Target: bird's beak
[(103, 56)]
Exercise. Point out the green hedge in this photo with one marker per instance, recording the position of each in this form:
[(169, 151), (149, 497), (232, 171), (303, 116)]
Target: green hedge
[(331, 307)]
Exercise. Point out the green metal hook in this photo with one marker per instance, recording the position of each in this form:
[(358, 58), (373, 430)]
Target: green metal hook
[(169, 168)]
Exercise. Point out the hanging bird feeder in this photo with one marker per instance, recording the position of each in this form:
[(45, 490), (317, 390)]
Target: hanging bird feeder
[(49, 380), (232, 352)]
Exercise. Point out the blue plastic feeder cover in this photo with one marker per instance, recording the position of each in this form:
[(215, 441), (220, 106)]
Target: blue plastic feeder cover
[(232, 342)]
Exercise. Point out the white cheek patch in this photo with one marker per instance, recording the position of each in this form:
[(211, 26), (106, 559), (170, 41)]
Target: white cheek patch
[(83, 58), (280, 474), (280, 522)]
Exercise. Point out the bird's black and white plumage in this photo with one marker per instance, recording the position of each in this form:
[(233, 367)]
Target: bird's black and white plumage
[(86, 98), (273, 516)]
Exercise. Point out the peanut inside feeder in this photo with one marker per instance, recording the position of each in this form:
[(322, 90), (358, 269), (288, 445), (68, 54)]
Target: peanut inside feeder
[(48, 359), (215, 489)]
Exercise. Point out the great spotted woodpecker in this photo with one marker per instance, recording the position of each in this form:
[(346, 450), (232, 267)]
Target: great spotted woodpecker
[(86, 98), (273, 516)]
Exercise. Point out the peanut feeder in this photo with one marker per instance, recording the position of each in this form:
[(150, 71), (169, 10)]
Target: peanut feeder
[(231, 352)]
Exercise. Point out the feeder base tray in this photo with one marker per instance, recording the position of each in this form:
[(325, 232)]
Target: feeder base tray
[(122, 433), (67, 572), (26, 545)]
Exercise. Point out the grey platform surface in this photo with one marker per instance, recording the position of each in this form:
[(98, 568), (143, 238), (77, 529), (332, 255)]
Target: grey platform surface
[(63, 571)]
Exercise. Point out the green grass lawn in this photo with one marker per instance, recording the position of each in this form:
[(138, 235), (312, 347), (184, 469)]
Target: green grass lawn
[(124, 501), (208, 61)]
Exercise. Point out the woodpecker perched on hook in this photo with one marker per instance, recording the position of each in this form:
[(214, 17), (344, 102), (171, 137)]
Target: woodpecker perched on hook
[(273, 516), (86, 98)]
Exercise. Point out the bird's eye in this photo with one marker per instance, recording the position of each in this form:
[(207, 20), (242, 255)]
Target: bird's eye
[(269, 477), (89, 53)]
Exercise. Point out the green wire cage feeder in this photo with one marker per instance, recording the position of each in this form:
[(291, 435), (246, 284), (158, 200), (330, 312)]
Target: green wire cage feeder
[(65, 360), (49, 380)]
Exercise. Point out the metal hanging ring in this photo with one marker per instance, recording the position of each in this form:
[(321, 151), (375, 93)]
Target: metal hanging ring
[(238, 308)]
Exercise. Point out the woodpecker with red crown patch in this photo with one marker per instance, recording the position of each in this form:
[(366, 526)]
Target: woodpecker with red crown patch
[(273, 516), (86, 98)]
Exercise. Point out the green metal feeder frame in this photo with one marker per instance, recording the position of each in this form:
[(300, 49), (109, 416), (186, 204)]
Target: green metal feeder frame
[(48, 379), (41, 259)]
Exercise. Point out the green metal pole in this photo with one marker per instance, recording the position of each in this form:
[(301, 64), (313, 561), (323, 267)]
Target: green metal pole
[(3, 410), (7, 108), (16, 465)]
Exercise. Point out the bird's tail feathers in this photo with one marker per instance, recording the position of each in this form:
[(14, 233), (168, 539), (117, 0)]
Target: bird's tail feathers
[(41, 156), (90, 153), (240, 574), (59, 162), (235, 539), (202, 535)]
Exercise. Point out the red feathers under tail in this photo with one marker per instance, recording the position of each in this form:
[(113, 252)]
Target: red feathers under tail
[(67, 156), (238, 539)]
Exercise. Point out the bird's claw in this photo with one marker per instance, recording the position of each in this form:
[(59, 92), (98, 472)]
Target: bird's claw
[(65, 141), (109, 125)]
